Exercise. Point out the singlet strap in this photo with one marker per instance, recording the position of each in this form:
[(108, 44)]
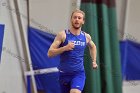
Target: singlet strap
[(67, 31)]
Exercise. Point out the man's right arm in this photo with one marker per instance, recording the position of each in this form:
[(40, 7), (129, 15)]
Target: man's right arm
[(55, 49)]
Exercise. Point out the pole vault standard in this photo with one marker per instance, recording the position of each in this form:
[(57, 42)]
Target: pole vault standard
[(25, 43)]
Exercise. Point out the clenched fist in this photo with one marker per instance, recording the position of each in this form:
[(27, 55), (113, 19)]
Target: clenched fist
[(69, 46), (94, 65)]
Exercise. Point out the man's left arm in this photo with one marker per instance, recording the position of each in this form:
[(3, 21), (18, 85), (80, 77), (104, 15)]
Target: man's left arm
[(93, 51)]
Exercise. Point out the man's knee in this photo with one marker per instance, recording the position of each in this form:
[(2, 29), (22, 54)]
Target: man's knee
[(75, 91)]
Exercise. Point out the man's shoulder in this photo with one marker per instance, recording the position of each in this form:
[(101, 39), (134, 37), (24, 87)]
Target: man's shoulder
[(87, 35), (61, 32), (61, 35)]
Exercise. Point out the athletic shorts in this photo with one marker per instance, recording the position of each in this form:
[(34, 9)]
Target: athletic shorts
[(75, 80)]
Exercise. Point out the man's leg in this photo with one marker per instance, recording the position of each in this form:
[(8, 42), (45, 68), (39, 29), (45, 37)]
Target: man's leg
[(75, 91), (64, 81), (78, 82)]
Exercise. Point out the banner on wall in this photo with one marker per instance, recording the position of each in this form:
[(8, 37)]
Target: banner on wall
[(39, 43), (130, 59), (1, 38)]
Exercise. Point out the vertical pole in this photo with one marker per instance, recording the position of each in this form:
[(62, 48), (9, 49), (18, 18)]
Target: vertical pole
[(24, 38)]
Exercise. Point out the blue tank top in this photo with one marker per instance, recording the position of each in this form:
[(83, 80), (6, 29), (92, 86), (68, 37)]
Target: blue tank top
[(72, 61)]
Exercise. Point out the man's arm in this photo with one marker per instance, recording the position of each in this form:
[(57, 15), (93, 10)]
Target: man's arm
[(55, 49), (92, 49)]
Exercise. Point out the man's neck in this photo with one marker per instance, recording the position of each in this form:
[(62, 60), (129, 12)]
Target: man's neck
[(75, 31)]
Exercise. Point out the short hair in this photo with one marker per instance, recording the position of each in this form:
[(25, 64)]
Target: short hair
[(78, 11)]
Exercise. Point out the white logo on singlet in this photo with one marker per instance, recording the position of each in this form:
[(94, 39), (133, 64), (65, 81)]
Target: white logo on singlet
[(77, 86), (78, 43)]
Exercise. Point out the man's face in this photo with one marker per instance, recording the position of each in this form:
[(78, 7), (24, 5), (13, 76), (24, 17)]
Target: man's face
[(77, 20)]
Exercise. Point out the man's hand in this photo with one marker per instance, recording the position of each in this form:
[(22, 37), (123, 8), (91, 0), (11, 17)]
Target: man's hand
[(69, 46), (94, 65)]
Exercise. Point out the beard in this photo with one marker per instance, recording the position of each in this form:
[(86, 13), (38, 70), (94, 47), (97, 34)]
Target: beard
[(76, 27)]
